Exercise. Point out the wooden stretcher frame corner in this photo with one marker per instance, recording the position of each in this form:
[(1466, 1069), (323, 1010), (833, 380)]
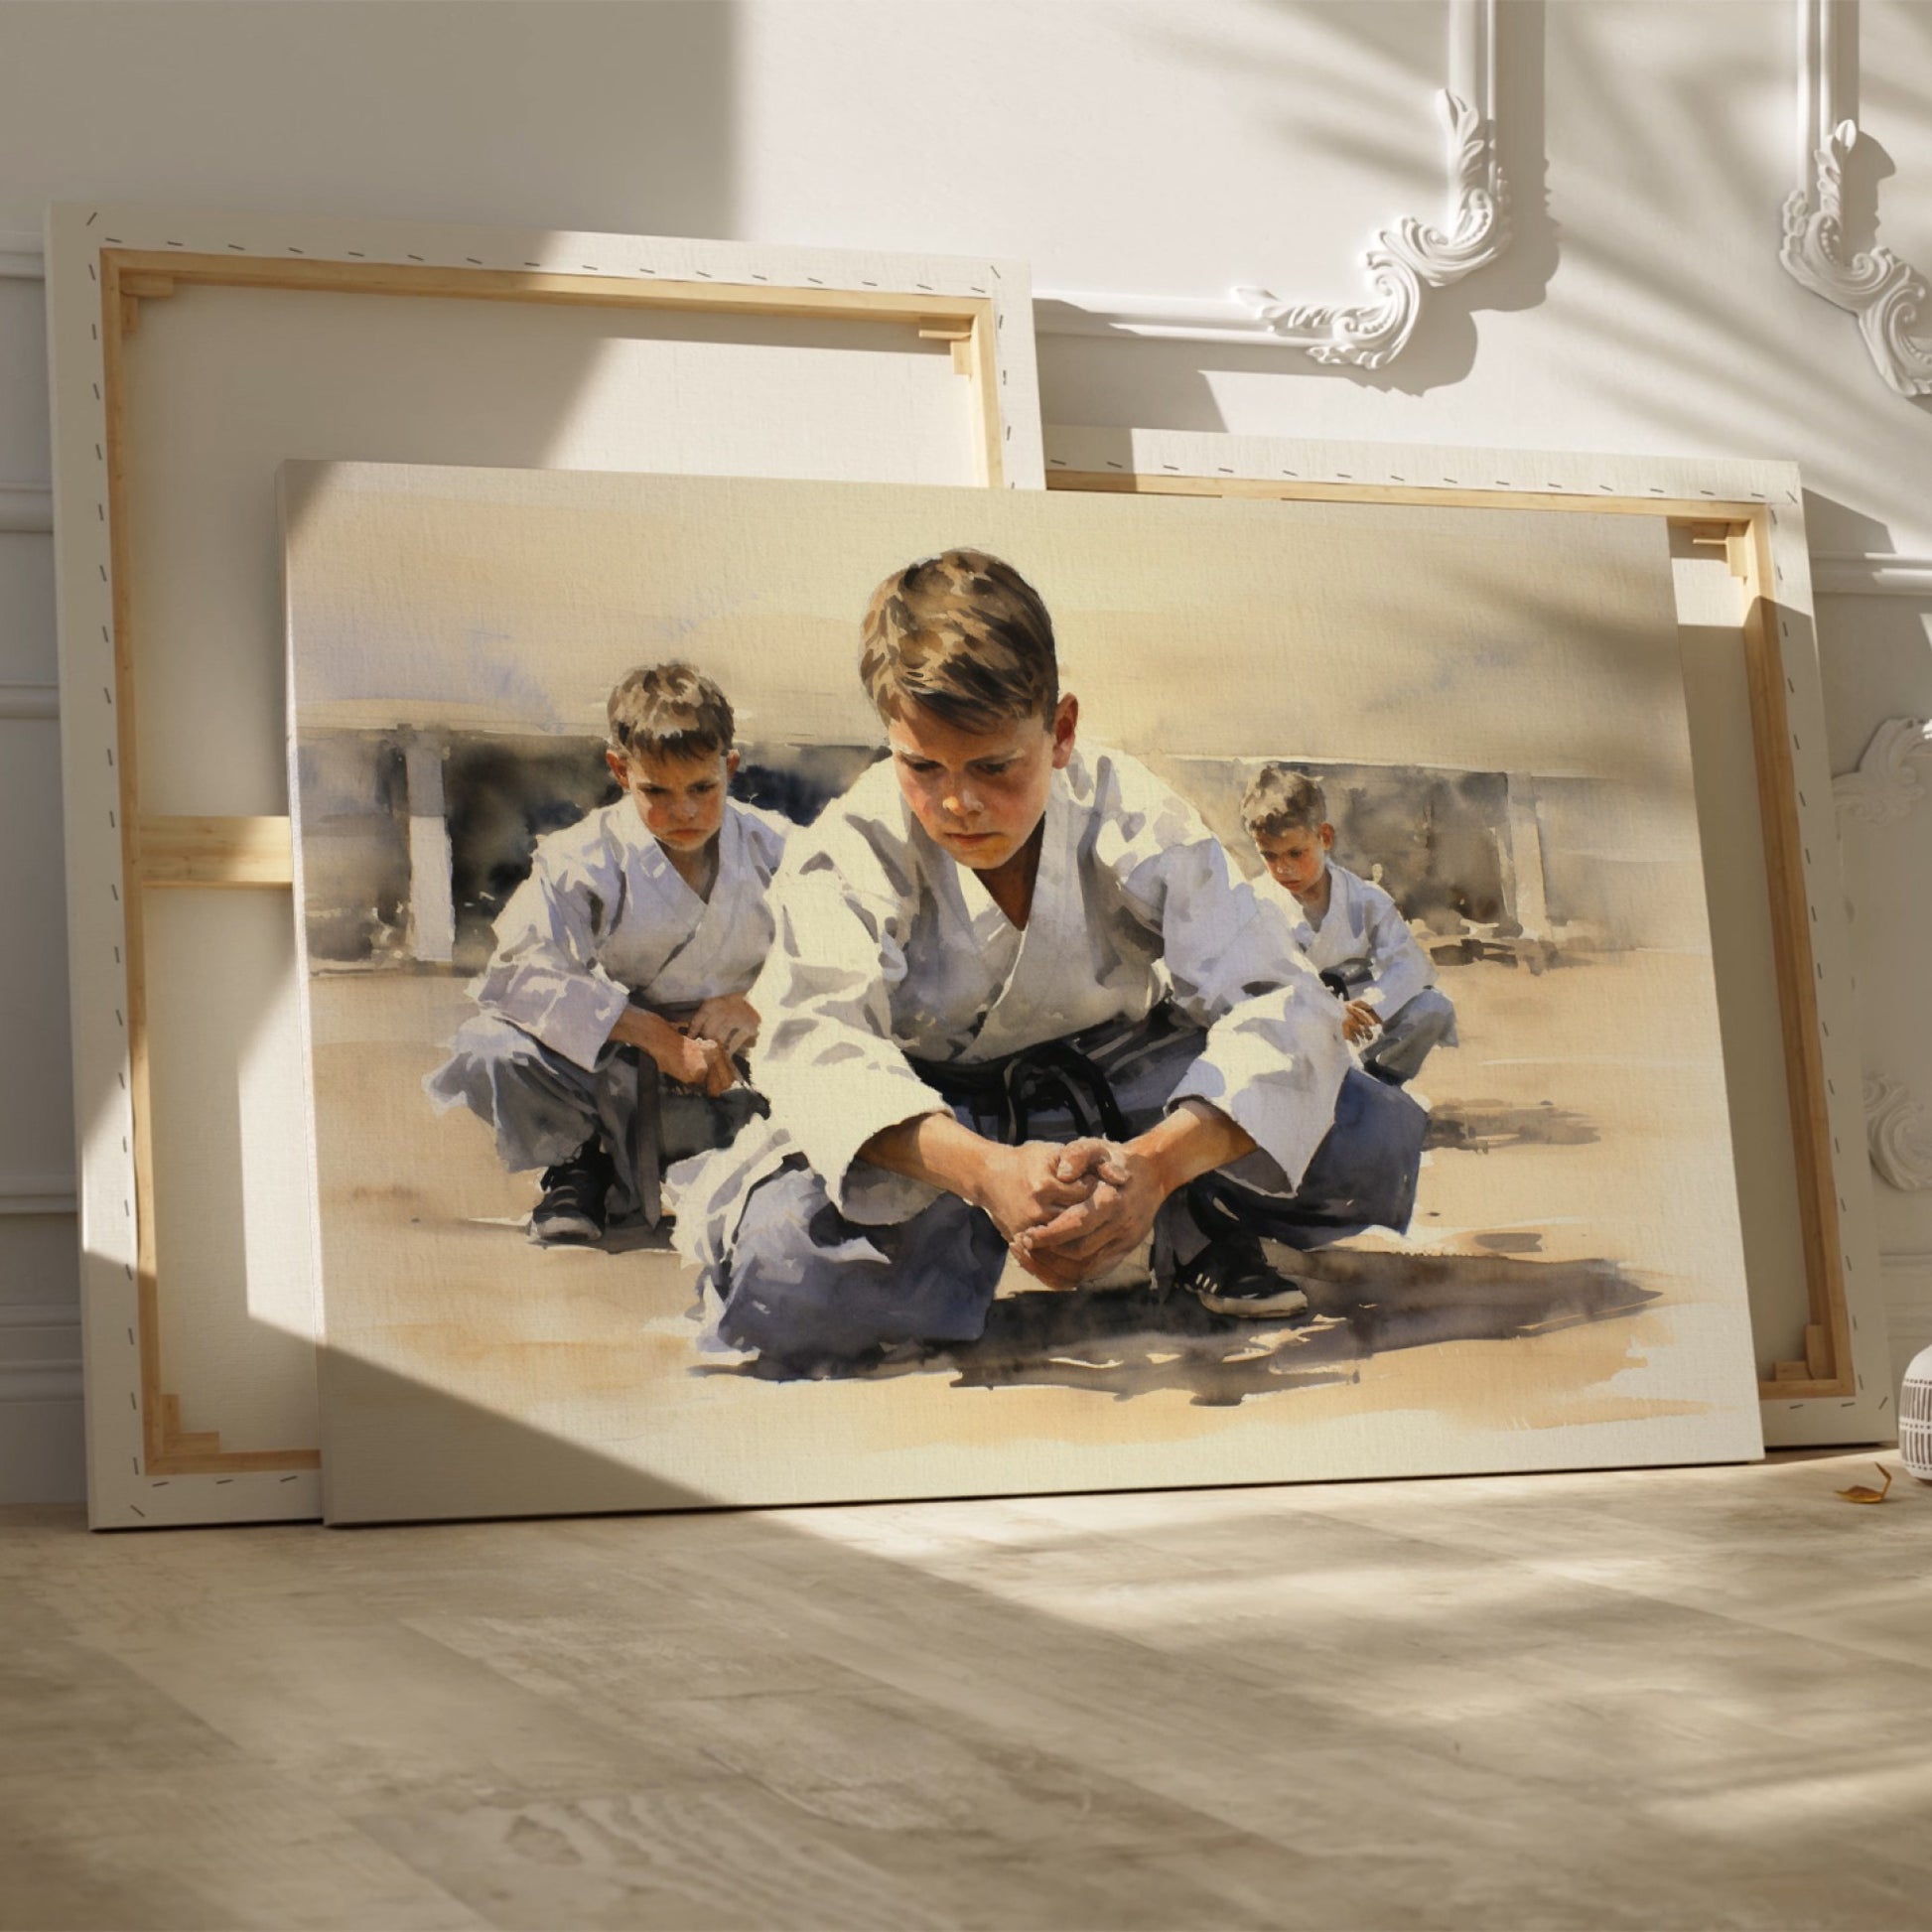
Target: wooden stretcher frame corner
[(147, 1464), (1839, 1390)]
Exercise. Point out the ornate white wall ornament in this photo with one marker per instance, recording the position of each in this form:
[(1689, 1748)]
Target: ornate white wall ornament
[(1887, 784), (1898, 1130), (1883, 789), (1888, 296), (1405, 262)]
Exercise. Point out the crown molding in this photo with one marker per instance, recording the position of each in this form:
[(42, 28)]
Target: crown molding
[(1406, 262), (1886, 293)]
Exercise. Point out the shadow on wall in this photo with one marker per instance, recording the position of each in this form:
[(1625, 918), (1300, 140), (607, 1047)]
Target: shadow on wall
[(1165, 383), (615, 119)]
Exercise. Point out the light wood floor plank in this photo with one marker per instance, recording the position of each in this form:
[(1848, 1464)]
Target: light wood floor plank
[(1696, 1697)]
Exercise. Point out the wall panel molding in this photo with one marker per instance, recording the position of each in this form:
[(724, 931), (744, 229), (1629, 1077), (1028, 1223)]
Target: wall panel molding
[(22, 257), (1886, 293), (40, 1351), (27, 508), (30, 701), (1886, 787), (1871, 573), (37, 1194), (1406, 262)]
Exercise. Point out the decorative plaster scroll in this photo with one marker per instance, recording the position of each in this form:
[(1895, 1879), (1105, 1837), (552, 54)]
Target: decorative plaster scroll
[(1405, 262), (1886, 786), (1898, 1130), (1888, 296)]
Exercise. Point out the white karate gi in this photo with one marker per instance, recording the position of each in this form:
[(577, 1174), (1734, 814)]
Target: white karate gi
[(1363, 928), (887, 947), (603, 915), (605, 919), (1364, 938)]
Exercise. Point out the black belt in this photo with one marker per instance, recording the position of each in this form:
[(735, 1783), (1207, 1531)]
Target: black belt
[(1057, 1076)]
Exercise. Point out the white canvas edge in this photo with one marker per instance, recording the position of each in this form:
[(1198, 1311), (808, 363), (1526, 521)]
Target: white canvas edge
[(121, 1495), (1867, 1415)]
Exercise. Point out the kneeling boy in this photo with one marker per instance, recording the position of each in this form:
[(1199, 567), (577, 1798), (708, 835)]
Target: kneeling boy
[(1350, 930), (1020, 1004), (641, 928)]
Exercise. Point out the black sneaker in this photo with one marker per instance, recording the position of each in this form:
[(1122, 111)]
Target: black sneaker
[(571, 1211), (1233, 1276)]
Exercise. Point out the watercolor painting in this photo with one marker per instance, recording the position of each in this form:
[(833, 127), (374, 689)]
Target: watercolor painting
[(832, 991)]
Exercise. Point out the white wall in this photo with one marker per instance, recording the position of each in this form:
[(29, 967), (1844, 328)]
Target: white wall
[(1121, 145)]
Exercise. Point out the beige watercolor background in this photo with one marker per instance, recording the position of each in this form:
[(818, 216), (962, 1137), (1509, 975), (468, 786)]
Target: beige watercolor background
[(465, 1373)]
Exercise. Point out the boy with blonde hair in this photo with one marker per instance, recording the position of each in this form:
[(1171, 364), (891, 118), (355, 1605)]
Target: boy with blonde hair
[(614, 1019), (1019, 1004), (1349, 929)]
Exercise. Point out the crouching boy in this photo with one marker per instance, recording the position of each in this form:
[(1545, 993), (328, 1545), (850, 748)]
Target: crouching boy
[(1019, 1004), (614, 1019), (1350, 930)]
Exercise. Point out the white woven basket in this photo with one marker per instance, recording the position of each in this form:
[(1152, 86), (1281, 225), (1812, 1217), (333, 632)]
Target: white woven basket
[(1915, 1416)]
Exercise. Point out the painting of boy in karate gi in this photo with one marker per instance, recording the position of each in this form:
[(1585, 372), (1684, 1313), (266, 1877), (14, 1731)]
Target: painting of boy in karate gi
[(1349, 929), (1006, 1136), (1020, 1004), (612, 1022)]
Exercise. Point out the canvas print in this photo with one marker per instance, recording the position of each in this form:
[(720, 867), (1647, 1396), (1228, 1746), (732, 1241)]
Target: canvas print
[(826, 991)]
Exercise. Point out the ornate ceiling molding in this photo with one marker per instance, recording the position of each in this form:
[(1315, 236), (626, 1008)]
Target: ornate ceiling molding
[(1888, 295), (1887, 784), (1405, 263)]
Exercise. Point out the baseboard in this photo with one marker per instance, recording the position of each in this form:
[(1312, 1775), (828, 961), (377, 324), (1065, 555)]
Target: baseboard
[(43, 1451)]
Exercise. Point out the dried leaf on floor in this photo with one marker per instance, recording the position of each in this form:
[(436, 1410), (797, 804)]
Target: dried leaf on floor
[(1860, 1492)]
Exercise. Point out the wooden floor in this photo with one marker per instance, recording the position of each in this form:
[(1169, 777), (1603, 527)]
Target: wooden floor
[(1676, 1699)]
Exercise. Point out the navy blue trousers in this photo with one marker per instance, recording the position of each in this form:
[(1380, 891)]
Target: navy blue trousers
[(808, 1288)]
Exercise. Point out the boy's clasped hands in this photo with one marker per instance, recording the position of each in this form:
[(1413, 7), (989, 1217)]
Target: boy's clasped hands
[(1070, 1213), (701, 1052)]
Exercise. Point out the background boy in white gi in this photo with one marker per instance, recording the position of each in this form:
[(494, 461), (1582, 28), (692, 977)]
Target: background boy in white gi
[(1350, 930), (1019, 1002), (641, 926)]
